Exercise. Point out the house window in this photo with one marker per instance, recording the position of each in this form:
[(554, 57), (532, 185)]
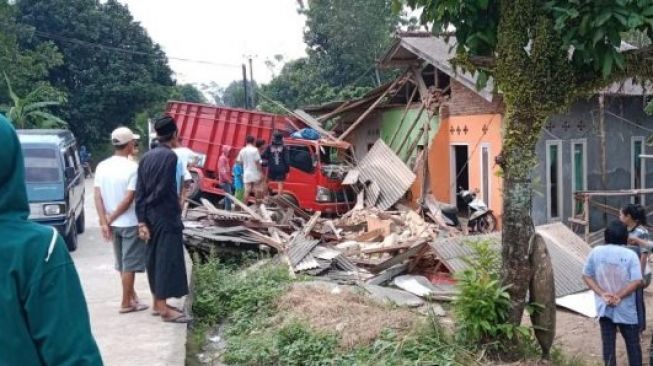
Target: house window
[(485, 173), (554, 179), (578, 172), (638, 176)]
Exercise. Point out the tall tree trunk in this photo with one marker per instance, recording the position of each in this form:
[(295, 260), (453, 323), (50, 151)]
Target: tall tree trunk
[(518, 155)]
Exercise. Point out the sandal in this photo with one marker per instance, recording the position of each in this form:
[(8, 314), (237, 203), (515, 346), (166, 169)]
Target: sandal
[(156, 313), (179, 319), (134, 308)]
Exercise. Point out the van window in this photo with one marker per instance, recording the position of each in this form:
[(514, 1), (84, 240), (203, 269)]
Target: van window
[(300, 158), (41, 165)]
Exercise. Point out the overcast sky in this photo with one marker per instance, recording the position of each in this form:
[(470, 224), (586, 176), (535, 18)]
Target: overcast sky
[(222, 31)]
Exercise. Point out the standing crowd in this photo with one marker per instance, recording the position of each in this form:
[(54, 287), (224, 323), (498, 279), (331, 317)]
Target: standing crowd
[(618, 272), (139, 204)]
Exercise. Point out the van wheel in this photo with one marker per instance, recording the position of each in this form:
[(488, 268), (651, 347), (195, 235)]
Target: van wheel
[(71, 238), (81, 223), (194, 192)]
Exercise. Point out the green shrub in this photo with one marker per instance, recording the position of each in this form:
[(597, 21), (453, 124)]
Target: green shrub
[(222, 291), (483, 305)]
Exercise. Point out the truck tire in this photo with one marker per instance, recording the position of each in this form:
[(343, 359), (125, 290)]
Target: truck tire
[(81, 223), (71, 238), (290, 198), (194, 192)]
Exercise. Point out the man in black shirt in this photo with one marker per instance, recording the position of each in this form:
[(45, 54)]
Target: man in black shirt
[(159, 221)]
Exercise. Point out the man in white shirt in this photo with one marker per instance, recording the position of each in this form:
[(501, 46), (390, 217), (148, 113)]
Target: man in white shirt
[(250, 158), (187, 157), (115, 184)]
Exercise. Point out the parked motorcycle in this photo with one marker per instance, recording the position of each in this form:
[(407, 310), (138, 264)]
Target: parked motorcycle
[(481, 219)]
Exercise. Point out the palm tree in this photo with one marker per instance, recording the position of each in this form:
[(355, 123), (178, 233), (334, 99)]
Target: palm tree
[(30, 111)]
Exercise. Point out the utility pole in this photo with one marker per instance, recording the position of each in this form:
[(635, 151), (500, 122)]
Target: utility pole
[(251, 81), (245, 86)]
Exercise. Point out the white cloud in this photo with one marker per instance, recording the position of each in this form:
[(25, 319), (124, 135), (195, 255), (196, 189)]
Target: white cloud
[(223, 32)]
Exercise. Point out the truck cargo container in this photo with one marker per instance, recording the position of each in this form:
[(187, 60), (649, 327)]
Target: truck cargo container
[(317, 166)]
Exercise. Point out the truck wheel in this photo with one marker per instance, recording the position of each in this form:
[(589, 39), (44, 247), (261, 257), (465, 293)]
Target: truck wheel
[(290, 198), (194, 192), (81, 223), (71, 238)]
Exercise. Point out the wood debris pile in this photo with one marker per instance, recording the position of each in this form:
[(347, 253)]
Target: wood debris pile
[(364, 245)]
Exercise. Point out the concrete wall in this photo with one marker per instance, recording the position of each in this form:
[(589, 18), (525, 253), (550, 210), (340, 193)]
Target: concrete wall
[(582, 122)]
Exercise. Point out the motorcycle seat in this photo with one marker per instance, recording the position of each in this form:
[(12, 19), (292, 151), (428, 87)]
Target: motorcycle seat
[(448, 209)]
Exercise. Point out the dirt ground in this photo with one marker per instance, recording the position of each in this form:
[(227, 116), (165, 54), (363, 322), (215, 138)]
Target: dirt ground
[(578, 335), (343, 311)]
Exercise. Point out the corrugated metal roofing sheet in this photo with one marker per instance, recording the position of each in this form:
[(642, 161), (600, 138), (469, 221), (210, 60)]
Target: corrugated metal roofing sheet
[(567, 251), (300, 248), (382, 166)]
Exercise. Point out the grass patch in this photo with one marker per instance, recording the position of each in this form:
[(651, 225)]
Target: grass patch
[(272, 321)]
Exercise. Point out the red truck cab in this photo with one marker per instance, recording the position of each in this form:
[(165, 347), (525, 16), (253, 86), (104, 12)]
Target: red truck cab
[(317, 166)]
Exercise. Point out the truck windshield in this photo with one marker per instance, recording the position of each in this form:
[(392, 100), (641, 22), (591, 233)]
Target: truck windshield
[(330, 155), (41, 165)]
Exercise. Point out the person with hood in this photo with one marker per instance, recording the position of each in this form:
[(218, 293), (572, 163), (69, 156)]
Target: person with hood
[(43, 315), (224, 175), (278, 161)]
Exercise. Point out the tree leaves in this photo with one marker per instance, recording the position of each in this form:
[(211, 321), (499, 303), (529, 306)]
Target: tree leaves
[(105, 87)]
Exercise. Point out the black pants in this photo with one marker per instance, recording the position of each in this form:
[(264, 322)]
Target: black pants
[(166, 266), (630, 332)]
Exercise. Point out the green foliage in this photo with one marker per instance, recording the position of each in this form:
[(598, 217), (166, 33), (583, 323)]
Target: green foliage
[(25, 59), (31, 111), (482, 307), (187, 93), (106, 86), (595, 29), (337, 66), (234, 94), (223, 292)]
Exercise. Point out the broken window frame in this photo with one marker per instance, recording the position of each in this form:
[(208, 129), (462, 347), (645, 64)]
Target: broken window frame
[(637, 163), (577, 206), (559, 191)]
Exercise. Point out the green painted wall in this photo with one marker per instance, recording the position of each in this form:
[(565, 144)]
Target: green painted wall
[(390, 125)]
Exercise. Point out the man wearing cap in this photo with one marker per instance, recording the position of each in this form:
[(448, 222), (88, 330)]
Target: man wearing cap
[(115, 184), (159, 181)]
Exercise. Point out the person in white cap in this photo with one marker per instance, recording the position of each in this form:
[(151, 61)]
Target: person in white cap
[(115, 184)]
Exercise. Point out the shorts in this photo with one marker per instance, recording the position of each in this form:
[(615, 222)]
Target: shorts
[(129, 250), (277, 177)]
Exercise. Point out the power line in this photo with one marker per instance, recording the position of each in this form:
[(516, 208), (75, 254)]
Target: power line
[(124, 50)]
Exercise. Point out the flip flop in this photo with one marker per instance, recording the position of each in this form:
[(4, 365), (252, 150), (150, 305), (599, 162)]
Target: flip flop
[(180, 319), (133, 309), (156, 313)]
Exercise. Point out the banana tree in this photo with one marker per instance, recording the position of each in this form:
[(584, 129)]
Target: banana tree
[(31, 110)]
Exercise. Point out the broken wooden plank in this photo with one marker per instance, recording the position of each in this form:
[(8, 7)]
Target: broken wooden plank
[(246, 208), (400, 258), (388, 274), (393, 248), (266, 240), (311, 223), (370, 236), (398, 81)]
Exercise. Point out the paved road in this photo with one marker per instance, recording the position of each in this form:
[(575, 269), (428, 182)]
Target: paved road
[(124, 339)]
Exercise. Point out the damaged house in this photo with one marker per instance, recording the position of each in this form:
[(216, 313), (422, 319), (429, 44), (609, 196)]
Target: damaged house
[(595, 146)]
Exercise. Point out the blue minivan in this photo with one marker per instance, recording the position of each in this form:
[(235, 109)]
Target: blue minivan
[(55, 181)]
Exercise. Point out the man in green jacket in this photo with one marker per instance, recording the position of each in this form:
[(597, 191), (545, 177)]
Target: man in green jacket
[(43, 314)]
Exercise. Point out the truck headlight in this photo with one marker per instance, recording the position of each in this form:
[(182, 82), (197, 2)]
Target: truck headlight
[(52, 210), (323, 195)]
